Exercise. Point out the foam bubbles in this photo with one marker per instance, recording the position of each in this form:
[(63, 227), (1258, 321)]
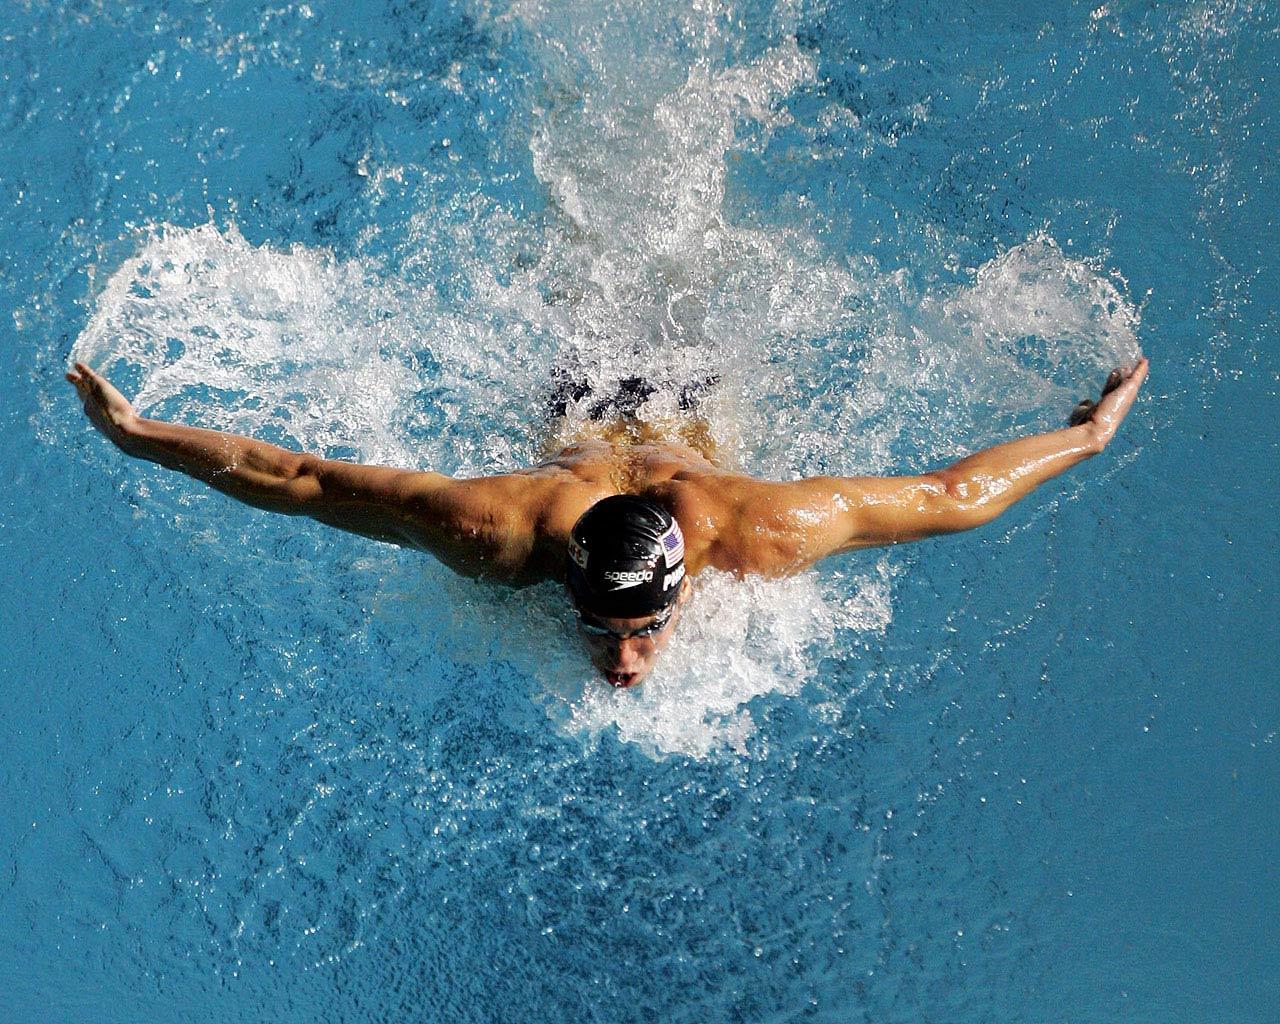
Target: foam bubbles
[(958, 368), (294, 345), (737, 640), (1041, 313), (243, 338)]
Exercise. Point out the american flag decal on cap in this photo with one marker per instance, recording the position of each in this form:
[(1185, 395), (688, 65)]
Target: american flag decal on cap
[(673, 544), (578, 553)]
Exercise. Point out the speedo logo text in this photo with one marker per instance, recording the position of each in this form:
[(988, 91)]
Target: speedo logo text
[(623, 579)]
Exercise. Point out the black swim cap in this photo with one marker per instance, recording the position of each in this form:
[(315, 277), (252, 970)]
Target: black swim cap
[(626, 558)]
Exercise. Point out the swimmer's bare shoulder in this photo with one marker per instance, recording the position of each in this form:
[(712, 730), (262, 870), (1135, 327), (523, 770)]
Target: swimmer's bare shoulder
[(512, 528), (746, 526)]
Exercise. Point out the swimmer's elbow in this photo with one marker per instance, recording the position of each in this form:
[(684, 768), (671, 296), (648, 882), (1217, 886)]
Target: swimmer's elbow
[(300, 489), (324, 489), (301, 496), (952, 493), (961, 501)]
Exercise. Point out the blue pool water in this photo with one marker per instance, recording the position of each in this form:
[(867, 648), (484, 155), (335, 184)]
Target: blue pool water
[(254, 770)]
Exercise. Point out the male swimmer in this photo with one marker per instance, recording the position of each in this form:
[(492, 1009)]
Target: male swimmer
[(623, 519)]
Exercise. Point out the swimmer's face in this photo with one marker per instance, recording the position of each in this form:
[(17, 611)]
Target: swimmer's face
[(625, 650)]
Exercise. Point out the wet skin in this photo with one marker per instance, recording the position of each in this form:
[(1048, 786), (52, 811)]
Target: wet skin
[(514, 527)]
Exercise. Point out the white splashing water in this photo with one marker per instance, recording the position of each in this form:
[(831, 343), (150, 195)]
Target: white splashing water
[(829, 363)]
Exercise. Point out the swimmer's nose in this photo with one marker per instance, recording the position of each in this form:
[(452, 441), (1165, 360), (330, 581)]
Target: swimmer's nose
[(626, 654)]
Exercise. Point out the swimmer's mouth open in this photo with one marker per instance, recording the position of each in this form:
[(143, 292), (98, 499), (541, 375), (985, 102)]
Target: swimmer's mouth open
[(622, 680)]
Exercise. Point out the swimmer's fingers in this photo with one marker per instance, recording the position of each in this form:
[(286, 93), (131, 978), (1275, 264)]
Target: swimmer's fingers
[(94, 387), (83, 377), (78, 378), (107, 409), (1117, 398)]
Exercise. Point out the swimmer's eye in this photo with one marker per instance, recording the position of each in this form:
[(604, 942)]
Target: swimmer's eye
[(592, 628)]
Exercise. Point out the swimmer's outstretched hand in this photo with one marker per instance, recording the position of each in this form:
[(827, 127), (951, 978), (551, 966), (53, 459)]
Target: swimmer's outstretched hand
[(107, 409), (1118, 394)]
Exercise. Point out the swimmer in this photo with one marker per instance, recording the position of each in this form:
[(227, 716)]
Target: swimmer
[(623, 520)]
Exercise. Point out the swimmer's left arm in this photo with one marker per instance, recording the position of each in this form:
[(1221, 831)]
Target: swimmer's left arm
[(782, 528), (977, 489)]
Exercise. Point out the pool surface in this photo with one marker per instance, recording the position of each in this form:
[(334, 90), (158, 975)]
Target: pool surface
[(256, 770)]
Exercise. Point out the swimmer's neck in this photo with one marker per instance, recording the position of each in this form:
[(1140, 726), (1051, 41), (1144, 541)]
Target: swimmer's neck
[(679, 439)]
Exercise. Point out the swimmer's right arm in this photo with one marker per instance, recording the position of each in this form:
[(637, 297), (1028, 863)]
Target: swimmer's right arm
[(473, 526)]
